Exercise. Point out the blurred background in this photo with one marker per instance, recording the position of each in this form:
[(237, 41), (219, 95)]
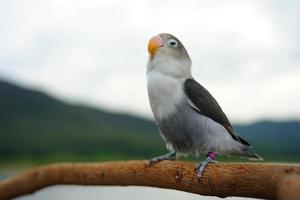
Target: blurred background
[(73, 83)]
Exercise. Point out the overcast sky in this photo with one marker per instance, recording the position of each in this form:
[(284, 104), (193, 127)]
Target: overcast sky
[(246, 53)]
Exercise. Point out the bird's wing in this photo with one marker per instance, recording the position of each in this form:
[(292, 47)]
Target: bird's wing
[(204, 103)]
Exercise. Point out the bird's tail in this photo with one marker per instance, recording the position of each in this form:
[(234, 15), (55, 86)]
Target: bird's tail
[(251, 155)]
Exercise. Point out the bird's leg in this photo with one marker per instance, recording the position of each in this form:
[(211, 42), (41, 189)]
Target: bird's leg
[(211, 158), (169, 156)]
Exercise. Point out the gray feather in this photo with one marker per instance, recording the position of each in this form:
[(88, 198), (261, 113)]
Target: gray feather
[(208, 106)]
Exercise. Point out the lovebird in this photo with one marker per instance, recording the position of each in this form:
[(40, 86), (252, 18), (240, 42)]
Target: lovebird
[(189, 118)]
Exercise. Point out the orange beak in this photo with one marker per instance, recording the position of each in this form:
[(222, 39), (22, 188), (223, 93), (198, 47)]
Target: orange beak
[(155, 43)]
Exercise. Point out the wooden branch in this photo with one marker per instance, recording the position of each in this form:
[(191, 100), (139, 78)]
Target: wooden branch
[(269, 181)]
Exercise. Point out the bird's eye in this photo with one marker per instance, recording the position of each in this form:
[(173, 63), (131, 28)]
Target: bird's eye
[(172, 43)]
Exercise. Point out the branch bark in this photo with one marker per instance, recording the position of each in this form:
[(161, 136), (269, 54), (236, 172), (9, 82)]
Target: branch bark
[(268, 181)]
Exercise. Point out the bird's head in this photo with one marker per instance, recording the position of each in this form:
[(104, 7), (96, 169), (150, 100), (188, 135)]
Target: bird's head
[(168, 55)]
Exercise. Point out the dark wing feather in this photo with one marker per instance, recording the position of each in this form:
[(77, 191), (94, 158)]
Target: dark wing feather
[(208, 106)]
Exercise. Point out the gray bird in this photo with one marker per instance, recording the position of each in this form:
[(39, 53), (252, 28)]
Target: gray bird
[(190, 120)]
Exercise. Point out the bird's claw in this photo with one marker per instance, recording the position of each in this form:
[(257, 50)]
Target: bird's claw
[(168, 156), (202, 165), (153, 161)]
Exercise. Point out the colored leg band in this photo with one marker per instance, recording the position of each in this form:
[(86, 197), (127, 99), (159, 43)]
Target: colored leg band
[(212, 155)]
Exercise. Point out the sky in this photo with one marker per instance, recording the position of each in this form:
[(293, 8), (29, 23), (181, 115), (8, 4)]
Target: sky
[(246, 53)]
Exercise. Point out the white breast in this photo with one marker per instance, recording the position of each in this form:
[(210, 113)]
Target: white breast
[(165, 92)]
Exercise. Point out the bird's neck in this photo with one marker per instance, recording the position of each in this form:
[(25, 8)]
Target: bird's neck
[(175, 68)]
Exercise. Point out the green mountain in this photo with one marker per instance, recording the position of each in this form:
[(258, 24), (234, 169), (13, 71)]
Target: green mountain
[(34, 125), (273, 140)]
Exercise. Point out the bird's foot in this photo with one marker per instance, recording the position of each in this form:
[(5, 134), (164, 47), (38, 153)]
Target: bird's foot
[(169, 156), (211, 158)]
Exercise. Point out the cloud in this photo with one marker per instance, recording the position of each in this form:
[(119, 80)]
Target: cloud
[(244, 52)]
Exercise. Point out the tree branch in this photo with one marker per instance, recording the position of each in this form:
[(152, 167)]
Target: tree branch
[(269, 181)]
